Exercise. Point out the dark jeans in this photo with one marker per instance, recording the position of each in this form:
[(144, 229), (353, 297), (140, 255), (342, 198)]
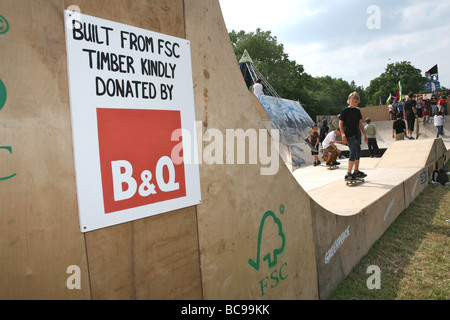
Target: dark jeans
[(373, 147), (354, 146), (440, 130)]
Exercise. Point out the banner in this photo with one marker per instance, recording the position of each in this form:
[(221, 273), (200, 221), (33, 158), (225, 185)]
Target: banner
[(133, 121), (432, 76)]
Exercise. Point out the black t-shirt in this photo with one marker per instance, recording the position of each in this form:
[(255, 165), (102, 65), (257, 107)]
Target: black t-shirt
[(408, 107), (323, 133), (399, 126), (351, 118)]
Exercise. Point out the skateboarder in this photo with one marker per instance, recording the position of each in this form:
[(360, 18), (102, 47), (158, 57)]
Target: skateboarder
[(314, 136), (350, 123), (329, 144)]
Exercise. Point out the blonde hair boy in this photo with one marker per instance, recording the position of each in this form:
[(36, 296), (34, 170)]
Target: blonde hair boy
[(354, 95), (351, 128)]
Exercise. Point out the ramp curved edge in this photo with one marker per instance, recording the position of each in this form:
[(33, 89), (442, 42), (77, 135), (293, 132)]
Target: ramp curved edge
[(339, 241), (255, 231)]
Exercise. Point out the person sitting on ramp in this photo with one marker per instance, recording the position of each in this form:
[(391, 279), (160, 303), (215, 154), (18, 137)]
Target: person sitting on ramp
[(329, 144)]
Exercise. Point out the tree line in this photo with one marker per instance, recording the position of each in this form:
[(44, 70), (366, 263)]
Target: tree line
[(319, 95)]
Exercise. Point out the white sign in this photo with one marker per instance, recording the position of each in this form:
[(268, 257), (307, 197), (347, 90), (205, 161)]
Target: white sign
[(133, 121)]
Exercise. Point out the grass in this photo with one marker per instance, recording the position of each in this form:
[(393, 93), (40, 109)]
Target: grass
[(413, 255)]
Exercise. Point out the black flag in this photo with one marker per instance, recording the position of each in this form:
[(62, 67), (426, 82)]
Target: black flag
[(434, 71)]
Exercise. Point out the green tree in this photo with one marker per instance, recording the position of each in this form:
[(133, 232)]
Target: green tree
[(284, 75), (387, 83), (319, 96)]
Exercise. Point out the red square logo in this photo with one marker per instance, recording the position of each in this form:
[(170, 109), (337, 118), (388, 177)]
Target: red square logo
[(135, 157)]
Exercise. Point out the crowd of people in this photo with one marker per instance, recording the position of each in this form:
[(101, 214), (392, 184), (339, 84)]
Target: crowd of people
[(404, 115), (432, 109), (429, 106)]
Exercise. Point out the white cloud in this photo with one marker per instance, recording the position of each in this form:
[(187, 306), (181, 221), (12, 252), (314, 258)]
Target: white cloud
[(332, 38), (263, 14)]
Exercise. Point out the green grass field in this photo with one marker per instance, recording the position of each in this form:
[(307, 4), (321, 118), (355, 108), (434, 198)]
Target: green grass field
[(413, 255)]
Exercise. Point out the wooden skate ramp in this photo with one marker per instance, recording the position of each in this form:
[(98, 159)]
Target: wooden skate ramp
[(200, 252), (236, 198), (412, 153), (348, 220), (254, 236)]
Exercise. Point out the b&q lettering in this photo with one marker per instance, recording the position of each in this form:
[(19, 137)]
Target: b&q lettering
[(122, 174)]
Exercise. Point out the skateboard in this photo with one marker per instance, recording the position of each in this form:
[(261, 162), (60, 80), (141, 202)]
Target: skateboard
[(417, 128), (332, 167), (308, 142), (354, 182)]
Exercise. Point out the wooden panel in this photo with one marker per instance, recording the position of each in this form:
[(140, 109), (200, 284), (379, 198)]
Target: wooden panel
[(165, 16), (379, 216), (153, 258), (236, 198), (340, 243), (157, 257), (166, 257), (39, 236)]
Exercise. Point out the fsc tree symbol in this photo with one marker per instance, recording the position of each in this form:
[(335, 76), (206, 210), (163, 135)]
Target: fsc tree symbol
[(270, 257), (271, 244)]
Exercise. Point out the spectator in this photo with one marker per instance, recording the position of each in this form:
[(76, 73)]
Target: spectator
[(410, 114), (428, 104), (399, 128), (442, 105), (400, 108), (258, 88), (323, 134), (314, 138), (446, 105), (439, 124), (419, 106), (371, 132), (426, 115), (391, 112), (433, 106), (394, 106)]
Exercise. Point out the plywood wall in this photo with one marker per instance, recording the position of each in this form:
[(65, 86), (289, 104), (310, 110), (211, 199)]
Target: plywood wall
[(201, 252), (156, 258), (39, 239), (237, 197)]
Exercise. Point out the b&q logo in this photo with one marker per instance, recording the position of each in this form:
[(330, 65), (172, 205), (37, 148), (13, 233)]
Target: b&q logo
[(270, 227), (135, 149)]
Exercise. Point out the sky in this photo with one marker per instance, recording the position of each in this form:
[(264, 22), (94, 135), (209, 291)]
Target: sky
[(351, 39)]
